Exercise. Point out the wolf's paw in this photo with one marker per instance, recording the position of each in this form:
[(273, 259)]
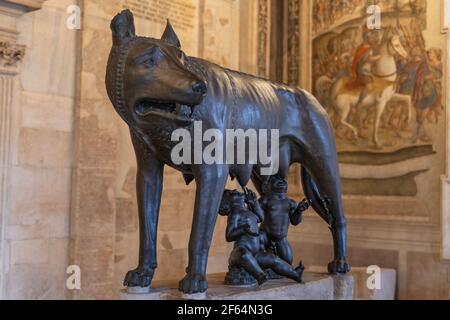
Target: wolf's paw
[(140, 277), (193, 284), (338, 266)]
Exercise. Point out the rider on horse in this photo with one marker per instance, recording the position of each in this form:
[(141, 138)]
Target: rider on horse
[(363, 60)]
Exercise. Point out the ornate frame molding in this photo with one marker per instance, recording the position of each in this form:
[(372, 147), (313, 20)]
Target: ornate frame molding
[(263, 37), (445, 179), (293, 9)]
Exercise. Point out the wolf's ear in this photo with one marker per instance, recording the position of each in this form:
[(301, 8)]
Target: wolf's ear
[(170, 36), (122, 27)]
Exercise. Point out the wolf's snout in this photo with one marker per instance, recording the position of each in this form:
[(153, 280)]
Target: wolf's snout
[(199, 87)]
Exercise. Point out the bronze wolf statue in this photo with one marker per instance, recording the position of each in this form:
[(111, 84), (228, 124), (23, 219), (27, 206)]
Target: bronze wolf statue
[(157, 89)]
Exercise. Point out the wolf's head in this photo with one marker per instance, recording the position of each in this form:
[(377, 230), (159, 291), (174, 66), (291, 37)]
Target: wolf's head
[(148, 77)]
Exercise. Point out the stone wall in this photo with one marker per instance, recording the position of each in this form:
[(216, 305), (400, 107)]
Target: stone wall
[(34, 254)]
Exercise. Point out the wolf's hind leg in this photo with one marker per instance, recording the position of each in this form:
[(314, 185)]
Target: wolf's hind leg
[(327, 202)]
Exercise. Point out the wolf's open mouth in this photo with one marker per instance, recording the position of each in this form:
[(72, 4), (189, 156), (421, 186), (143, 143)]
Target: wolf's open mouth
[(168, 110)]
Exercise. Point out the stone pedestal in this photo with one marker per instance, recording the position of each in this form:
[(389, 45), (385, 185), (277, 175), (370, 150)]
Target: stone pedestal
[(316, 286), (388, 283), (357, 280)]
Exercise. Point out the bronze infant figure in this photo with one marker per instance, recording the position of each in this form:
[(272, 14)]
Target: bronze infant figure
[(157, 89), (279, 213), (249, 253)]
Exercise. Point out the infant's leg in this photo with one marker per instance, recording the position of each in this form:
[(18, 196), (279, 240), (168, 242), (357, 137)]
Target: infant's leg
[(281, 267), (241, 257), (284, 251)]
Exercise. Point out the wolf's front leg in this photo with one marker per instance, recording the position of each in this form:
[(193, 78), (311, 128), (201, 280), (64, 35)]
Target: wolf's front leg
[(211, 181), (149, 182)]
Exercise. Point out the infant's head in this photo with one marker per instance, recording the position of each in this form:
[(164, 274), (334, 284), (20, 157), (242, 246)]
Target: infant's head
[(230, 199), (237, 198), (277, 185)]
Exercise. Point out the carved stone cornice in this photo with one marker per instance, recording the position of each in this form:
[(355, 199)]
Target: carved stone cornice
[(11, 54), (25, 5), (293, 54)]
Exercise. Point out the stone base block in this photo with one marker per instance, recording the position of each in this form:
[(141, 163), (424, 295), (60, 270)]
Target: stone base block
[(315, 287), (386, 291), (361, 290)]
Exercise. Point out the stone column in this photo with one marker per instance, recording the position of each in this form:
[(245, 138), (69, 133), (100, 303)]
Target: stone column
[(292, 42), (11, 54), (7, 86), (263, 37), (305, 44), (248, 42)]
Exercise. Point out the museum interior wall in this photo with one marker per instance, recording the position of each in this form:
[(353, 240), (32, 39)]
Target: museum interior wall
[(68, 169), (38, 95), (395, 196)]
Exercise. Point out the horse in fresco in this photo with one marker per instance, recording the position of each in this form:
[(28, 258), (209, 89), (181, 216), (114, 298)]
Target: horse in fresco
[(344, 99)]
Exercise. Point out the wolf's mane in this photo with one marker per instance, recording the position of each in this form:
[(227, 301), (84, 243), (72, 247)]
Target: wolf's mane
[(115, 75)]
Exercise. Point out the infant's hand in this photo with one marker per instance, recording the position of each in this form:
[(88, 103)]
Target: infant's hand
[(304, 205), (251, 197)]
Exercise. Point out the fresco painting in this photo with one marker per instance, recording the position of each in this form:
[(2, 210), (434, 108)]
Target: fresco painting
[(381, 87)]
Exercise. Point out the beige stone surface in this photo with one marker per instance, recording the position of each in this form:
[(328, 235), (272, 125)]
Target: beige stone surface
[(40, 195), (344, 287), (30, 252), (41, 111), (315, 287), (46, 148), (34, 251), (50, 62), (354, 286), (388, 285), (27, 232), (220, 25), (32, 282), (428, 279)]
